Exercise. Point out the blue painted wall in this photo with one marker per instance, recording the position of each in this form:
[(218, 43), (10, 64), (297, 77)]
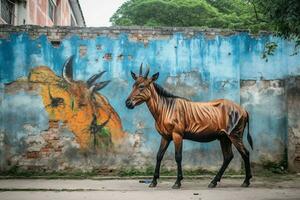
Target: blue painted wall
[(209, 68)]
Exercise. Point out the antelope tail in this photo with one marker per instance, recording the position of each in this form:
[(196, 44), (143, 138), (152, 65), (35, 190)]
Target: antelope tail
[(249, 138)]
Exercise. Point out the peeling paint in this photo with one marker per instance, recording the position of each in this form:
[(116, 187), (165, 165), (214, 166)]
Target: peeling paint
[(293, 105), (82, 50), (187, 84), (56, 43), (99, 47), (107, 56)]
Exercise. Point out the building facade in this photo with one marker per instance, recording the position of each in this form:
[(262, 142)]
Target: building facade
[(41, 12)]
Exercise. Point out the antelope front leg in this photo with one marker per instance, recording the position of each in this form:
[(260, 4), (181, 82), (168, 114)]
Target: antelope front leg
[(164, 143), (177, 138)]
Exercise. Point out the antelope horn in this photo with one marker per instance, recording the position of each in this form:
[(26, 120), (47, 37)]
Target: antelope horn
[(67, 73), (99, 86), (147, 71), (93, 78), (141, 70)]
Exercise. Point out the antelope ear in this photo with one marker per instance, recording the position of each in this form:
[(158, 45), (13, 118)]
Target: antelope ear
[(133, 75), (155, 76)]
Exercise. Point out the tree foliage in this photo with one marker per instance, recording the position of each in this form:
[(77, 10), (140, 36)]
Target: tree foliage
[(235, 14), (280, 16), (283, 16)]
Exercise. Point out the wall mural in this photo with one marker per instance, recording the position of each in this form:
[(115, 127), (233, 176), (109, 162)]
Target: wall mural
[(60, 112), (76, 104)]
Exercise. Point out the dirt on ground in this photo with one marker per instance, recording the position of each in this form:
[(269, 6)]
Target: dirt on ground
[(267, 188)]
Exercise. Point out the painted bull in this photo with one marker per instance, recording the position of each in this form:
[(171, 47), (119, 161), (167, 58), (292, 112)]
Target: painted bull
[(177, 118)]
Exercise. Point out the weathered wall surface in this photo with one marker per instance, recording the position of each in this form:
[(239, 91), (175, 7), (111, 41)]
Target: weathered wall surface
[(198, 64), (293, 105)]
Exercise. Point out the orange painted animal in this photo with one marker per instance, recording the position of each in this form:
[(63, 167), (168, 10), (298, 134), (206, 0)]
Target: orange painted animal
[(77, 104), (177, 118)]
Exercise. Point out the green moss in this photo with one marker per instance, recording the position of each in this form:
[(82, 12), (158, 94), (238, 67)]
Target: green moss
[(233, 172), (267, 169), (270, 167), (148, 171), (16, 171)]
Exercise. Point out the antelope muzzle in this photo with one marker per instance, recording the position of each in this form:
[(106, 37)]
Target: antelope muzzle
[(129, 103)]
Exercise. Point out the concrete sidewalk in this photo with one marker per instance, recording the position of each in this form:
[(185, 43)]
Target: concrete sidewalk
[(261, 188)]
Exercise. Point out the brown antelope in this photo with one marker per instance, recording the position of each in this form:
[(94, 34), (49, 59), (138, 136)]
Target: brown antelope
[(177, 118)]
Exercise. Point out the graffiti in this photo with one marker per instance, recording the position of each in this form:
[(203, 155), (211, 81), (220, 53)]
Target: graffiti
[(55, 101), (100, 131), (76, 104)]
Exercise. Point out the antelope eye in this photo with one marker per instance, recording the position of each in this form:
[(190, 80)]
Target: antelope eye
[(141, 86)]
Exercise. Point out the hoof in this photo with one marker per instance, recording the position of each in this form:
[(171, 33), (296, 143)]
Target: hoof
[(176, 186), (212, 185), (152, 184), (245, 184)]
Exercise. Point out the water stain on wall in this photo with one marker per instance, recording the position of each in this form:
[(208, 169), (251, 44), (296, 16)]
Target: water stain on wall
[(187, 84)]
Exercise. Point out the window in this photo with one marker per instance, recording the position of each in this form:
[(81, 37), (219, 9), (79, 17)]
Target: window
[(51, 10), (7, 11)]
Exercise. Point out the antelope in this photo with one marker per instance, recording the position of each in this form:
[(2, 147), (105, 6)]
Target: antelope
[(86, 92), (177, 118)]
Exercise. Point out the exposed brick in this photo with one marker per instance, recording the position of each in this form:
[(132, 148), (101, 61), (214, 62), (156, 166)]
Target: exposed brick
[(33, 155), (92, 32)]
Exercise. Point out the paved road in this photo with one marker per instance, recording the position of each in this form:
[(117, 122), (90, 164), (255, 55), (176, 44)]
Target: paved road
[(131, 189)]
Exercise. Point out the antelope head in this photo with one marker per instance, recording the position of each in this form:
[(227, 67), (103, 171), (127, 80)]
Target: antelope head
[(84, 91), (141, 91)]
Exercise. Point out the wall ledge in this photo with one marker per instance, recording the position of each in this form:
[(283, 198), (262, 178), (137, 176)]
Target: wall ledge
[(90, 32)]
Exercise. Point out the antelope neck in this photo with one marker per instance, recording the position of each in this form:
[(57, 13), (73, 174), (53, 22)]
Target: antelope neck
[(156, 103)]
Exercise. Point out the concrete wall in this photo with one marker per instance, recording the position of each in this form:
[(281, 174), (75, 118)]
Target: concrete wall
[(293, 105), (198, 64)]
